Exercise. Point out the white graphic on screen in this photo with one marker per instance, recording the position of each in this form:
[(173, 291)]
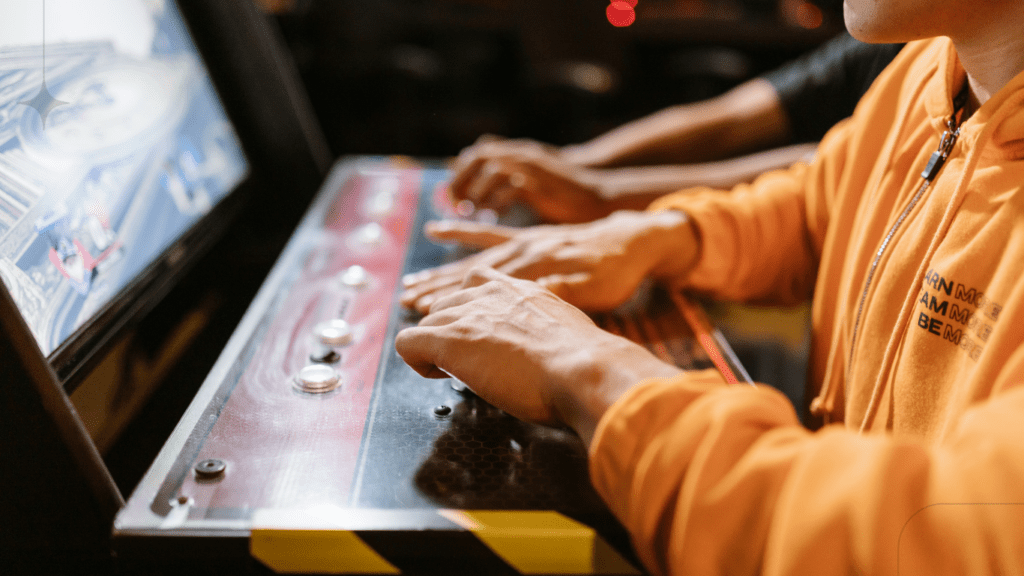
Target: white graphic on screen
[(139, 152)]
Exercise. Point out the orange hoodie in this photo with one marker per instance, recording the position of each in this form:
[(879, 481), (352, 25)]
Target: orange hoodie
[(917, 357)]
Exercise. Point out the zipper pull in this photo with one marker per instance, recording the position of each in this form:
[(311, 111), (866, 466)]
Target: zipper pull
[(938, 157)]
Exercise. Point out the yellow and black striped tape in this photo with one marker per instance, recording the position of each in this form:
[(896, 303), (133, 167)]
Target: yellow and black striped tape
[(332, 540)]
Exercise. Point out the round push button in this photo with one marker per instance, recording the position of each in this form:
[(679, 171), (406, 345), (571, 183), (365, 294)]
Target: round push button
[(335, 332), (354, 276), (317, 379), (370, 234), (380, 204)]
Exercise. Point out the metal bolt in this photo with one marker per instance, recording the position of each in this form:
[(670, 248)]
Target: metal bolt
[(210, 468)]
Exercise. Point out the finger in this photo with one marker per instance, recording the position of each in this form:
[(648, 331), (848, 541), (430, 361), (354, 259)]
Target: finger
[(501, 198), (425, 281), (441, 312), (484, 147), (420, 348), (512, 188), (423, 303), (487, 139), (542, 262), (473, 234), (457, 268), (466, 171), (492, 176), (423, 295), (480, 275)]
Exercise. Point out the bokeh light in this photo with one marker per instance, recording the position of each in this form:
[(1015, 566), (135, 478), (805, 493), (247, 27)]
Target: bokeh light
[(620, 13)]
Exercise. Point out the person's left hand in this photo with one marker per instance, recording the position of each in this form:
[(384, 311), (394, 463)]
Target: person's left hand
[(526, 351)]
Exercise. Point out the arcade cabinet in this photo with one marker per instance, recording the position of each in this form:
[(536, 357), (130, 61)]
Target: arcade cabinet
[(133, 138)]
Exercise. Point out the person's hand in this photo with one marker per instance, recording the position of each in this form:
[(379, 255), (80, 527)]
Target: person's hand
[(526, 351), (494, 173), (594, 266)]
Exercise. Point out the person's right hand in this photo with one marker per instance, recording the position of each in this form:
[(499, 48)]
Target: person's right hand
[(594, 266), (494, 173)]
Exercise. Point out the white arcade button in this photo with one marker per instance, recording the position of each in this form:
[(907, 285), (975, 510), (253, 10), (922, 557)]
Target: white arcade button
[(370, 234), (354, 276), (317, 379), (380, 204), (335, 332)]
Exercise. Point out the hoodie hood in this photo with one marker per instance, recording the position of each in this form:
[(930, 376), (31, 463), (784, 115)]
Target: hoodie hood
[(1002, 115)]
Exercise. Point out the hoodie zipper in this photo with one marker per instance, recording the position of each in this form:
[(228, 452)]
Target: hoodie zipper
[(935, 163)]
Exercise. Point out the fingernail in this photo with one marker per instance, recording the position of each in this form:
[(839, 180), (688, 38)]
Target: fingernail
[(425, 302), (410, 279)]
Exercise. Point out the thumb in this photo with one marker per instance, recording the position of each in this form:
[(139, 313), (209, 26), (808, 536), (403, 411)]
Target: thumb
[(474, 234)]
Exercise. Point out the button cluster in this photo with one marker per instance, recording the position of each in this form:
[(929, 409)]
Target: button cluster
[(328, 336)]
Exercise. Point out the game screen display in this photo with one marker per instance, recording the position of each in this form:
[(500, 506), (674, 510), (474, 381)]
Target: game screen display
[(113, 143)]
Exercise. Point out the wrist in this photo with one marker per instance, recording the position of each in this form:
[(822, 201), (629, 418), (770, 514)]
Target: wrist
[(673, 243), (598, 375)]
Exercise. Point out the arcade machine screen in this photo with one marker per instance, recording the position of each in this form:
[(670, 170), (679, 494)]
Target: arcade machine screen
[(113, 146)]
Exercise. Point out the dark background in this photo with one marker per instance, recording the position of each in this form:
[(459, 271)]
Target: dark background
[(426, 77)]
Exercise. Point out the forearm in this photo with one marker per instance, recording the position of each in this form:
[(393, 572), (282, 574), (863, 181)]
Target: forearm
[(635, 188), (723, 480), (760, 242), (749, 117)]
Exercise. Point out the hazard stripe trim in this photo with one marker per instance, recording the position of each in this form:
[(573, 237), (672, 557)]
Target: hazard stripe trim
[(332, 540)]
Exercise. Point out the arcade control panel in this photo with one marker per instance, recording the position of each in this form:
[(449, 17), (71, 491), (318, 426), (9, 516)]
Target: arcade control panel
[(312, 447)]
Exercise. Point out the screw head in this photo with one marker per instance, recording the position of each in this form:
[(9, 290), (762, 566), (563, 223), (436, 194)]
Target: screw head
[(210, 468)]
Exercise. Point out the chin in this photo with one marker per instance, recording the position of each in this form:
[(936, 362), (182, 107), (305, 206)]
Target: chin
[(862, 21)]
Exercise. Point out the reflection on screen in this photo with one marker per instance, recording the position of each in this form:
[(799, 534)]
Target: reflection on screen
[(135, 148)]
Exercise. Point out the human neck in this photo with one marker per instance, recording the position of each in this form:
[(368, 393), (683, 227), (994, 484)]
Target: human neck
[(992, 56)]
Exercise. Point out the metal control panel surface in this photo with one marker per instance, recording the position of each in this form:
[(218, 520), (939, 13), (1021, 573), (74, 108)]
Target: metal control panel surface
[(310, 408)]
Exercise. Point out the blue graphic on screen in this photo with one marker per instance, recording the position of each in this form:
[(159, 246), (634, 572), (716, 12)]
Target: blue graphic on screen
[(135, 149)]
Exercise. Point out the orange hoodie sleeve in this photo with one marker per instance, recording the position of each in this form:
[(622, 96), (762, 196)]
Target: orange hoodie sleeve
[(714, 479), (760, 242)]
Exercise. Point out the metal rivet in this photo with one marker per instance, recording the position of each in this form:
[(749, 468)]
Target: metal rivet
[(442, 410), (210, 468)]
